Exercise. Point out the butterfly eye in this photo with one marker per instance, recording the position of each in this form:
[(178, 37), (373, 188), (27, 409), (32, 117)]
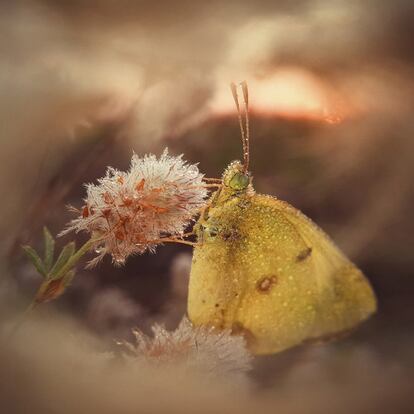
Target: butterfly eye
[(239, 181)]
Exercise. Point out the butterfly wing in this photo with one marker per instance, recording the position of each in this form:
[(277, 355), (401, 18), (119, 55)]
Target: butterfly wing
[(265, 269)]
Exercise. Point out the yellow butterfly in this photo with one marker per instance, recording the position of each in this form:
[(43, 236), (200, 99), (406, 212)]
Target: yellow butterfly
[(265, 270)]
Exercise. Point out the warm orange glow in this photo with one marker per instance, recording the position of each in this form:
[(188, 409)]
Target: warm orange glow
[(288, 92)]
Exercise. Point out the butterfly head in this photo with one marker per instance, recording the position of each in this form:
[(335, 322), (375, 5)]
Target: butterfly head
[(236, 178)]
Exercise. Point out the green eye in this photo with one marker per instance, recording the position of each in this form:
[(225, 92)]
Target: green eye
[(239, 181)]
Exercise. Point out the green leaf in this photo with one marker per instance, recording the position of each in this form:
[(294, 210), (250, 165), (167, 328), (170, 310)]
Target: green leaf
[(67, 279), (35, 259), (49, 249), (64, 256)]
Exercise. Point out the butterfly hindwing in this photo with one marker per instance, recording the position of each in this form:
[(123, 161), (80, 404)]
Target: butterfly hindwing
[(266, 270)]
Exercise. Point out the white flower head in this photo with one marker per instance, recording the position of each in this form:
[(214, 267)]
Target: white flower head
[(131, 212), (197, 348)]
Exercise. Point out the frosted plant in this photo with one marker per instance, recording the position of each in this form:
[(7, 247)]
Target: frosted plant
[(126, 213), (130, 212), (200, 349)]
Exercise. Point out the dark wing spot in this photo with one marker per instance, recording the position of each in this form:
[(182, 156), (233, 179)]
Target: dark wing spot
[(265, 284), (304, 254), (231, 234)]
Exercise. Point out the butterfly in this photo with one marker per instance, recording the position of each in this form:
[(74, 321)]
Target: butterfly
[(264, 270)]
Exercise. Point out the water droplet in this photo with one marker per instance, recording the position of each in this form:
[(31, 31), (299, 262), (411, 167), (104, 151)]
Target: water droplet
[(119, 260)]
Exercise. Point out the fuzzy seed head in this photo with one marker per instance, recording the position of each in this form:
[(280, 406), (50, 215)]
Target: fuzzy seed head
[(200, 348), (131, 212)]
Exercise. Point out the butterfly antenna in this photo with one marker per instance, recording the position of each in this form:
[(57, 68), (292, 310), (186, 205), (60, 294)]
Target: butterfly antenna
[(236, 101), (244, 127), (246, 137)]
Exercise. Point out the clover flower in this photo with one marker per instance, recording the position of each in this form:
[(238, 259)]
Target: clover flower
[(131, 212), (197, 348)]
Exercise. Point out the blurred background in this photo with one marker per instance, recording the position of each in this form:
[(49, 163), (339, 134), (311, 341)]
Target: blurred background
[(83, 84)]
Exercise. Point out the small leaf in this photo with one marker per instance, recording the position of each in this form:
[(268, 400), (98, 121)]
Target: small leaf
[(50, 289), (64, 256), (67, 279), (53, 288), (35, 259), (49, 249)]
